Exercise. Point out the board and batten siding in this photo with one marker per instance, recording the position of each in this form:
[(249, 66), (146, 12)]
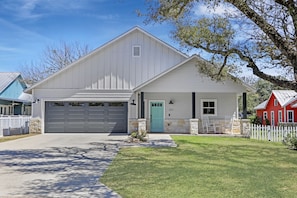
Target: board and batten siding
[(113, 67), (186, 78)]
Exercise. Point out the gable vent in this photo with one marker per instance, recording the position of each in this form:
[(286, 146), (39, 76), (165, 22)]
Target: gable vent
[(136, 50)]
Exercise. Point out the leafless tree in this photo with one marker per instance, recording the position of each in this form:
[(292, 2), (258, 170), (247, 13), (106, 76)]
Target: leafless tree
[(53, 59)]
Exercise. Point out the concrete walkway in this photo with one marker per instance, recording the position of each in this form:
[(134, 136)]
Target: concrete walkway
[(62, 165)]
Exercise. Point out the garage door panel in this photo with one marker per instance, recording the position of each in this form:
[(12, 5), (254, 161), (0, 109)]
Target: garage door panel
[(86, 117)]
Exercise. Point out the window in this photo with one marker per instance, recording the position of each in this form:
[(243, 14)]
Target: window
[(56, 104), (275, 102), (290, 116), (116, 104), (136, 50), (265, 115), (272, 118), (209, 107), (280, 116), (96, 104), (76, 104)]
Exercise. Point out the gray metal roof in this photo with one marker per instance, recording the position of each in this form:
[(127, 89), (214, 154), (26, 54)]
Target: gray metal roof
[(6, 78)]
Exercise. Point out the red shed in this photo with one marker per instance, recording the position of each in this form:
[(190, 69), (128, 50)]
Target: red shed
[(280, 107)]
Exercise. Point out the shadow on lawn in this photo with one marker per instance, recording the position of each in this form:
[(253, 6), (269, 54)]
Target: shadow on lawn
[(60, 171)]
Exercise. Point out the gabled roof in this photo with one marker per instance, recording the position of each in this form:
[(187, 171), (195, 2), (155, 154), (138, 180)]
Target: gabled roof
[(6, 78), (29, 90), (179, 65), (262, 105), (284, 98)]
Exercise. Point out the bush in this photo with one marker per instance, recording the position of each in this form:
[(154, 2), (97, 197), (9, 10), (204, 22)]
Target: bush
[(290, 141), (136, 136), (255, 120)]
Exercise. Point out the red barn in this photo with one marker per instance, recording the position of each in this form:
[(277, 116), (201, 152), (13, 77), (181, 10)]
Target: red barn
[(280, 107)]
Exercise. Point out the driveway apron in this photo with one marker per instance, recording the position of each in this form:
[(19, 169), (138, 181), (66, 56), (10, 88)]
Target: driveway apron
[(57, 165)]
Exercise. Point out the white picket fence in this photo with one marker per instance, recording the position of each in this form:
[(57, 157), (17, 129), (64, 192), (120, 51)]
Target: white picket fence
[(271, 133), (14, 125)]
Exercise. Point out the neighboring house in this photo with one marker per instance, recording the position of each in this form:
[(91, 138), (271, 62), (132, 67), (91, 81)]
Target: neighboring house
[(13, 101), (134, 76), (280, 107)]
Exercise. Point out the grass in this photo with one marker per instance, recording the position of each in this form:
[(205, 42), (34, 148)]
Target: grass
[(14, 137), (205, 167)]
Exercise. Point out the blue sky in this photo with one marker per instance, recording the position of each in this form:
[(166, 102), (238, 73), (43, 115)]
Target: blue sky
[(28, 26)]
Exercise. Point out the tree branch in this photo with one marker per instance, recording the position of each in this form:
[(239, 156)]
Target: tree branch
[(282, 44)]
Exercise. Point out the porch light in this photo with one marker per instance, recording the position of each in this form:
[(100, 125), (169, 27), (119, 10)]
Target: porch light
[(36, 101), (171, 102), (133, 102)]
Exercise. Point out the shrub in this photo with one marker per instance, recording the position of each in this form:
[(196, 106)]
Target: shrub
[(256, 120), (290, 141), (136, 136), (267, 122)]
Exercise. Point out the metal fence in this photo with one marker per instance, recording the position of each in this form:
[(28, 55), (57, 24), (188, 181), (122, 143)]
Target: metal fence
[(271, 133), (14, 125)]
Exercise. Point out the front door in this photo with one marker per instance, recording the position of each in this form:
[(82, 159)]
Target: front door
[(157, 116)]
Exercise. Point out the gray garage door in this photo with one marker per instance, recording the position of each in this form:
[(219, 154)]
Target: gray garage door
[(92, 117)]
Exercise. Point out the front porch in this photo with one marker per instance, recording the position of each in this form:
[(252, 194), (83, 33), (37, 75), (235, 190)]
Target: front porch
[(193, 126)]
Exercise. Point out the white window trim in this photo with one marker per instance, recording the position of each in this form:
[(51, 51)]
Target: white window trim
[(133, 55), (272, 118), (275, 102), (280, 116), (290, 111), (265, 115), (215, 107)]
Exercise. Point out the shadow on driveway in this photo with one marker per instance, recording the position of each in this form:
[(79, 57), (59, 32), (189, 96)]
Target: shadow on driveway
[(56, 171)]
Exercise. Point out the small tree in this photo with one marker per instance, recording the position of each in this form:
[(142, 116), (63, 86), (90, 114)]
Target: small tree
[(290, 141)]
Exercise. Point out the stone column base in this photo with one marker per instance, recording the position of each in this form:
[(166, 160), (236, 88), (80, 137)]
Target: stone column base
[(35, 125), (244, 127), (141, 125), (194, 126)]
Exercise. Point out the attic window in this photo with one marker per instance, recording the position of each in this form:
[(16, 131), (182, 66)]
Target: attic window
[(275, 102), (136, 50)]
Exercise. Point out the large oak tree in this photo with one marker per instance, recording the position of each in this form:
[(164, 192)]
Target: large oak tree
[(260, 35)]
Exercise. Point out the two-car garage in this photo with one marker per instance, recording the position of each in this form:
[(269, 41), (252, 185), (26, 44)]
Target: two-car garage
[(89, 117)]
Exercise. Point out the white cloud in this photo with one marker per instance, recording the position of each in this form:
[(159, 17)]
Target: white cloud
[(7, 49), (34, 9), (221, 9)]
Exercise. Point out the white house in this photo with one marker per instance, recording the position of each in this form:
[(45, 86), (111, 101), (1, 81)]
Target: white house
[(134, 77)]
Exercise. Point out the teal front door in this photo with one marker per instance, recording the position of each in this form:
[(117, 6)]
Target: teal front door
[(157, 116)]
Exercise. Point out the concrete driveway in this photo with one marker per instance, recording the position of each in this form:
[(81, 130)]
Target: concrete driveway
[(57, 165)]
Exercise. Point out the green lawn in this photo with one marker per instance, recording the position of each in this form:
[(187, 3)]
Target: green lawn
[(205, 167)]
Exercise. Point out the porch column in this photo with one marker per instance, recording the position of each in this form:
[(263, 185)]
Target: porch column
[(142, 105), (244, 106), (193, 105), (194, 121)]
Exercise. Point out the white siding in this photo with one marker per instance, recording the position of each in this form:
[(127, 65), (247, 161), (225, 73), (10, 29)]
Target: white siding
[(113, 67), (186, 78), (182, 104)]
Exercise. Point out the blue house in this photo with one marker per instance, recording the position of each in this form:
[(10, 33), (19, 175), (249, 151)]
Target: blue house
[(13, 101)]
